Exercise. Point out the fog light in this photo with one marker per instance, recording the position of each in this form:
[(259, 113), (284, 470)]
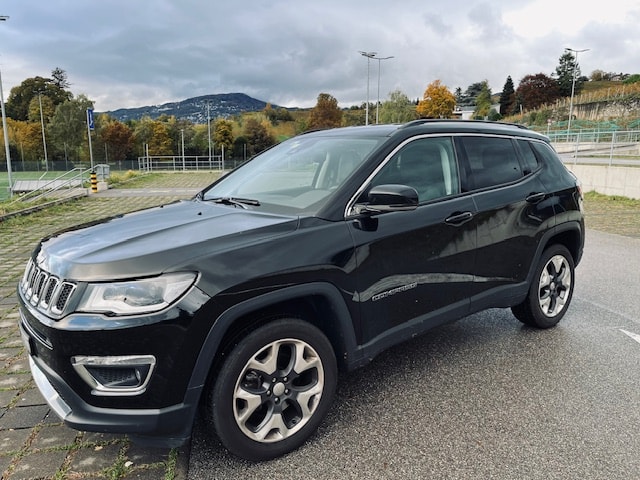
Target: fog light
[(117, 375)]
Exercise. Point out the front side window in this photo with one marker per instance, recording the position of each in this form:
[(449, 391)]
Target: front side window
[(492, 161), (297, 176), (426, 164)]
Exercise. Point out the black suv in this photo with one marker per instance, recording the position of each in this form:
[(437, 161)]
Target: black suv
[(309, 259)]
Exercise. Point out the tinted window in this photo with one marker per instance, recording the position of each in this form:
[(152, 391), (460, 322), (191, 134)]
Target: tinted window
[(426, 164), (530, 159), (544, 151), (492, 161)]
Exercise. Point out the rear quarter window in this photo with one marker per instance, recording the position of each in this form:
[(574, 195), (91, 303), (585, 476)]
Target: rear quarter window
[(528, 156)]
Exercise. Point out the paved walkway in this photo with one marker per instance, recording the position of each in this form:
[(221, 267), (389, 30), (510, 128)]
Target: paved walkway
[(34, 443)]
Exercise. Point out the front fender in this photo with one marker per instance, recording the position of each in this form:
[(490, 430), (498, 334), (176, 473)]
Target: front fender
[(339, 329)]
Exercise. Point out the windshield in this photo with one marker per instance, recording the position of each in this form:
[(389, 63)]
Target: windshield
[(294, 177)]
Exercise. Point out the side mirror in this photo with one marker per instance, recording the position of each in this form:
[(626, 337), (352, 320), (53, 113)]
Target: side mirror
[(389, 198)]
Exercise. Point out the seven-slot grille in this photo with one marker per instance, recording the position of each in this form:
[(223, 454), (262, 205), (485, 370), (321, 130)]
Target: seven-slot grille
[(46, 292)]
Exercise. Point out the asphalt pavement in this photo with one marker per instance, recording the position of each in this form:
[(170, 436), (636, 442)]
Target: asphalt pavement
[(487, 397), (484, 397)]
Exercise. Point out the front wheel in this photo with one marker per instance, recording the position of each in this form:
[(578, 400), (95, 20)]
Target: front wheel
[(273, 390), (550, 291)]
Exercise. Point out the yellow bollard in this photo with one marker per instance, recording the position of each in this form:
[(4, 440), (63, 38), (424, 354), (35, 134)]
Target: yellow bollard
[(94, 182)]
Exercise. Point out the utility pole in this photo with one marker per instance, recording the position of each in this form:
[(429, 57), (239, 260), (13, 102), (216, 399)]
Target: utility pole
[(4, 18)]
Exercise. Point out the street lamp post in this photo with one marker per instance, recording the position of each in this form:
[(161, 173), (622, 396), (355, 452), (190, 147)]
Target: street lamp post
[(372, 55), (44, 139), (369, 56), (4, 127), (378, 102), (573, 82)]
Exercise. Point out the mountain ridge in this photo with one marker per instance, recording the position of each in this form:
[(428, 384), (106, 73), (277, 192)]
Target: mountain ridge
[(195, 109)]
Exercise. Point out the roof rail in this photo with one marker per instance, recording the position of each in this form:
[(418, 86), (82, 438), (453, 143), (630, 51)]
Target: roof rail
[(422, 121)]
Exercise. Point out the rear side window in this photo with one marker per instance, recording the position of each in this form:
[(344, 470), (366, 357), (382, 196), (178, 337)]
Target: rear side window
[(492, 161)]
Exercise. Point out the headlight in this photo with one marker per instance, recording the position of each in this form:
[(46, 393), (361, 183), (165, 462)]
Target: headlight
[(134, 297)]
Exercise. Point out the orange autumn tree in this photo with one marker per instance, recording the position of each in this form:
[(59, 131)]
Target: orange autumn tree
[(437, 102)]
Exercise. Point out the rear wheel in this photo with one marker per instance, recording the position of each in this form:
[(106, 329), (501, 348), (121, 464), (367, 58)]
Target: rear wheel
[(551, 290), (273, 390)]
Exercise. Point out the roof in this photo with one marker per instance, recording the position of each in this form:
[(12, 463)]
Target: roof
[(434, 126)]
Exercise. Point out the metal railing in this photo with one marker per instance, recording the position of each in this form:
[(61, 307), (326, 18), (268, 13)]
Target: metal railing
[(595, 136), (71, 180), (178, 163), (616, 147)]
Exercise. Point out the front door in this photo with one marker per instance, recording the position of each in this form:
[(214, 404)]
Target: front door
[(415, 269)]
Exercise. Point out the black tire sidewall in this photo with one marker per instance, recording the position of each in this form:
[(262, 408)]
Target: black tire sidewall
[(221, 396)]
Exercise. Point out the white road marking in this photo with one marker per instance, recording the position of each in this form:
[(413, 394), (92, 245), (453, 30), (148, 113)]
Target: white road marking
[(635, 336)]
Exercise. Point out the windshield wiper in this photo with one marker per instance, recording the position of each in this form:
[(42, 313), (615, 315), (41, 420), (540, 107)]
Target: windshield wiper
[(236, 202)]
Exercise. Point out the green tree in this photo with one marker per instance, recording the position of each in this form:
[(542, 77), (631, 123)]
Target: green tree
[(257, 136), (223, 134), (507, 97), (326, 113), (60, 79), (398, 109), (160, 142), (25, 141), (437, 102), (20, 97), (635, 78), (468, 98), (483, 102), (48, 109), (68, 126), (567, 68), (118, 138), (537, 90)]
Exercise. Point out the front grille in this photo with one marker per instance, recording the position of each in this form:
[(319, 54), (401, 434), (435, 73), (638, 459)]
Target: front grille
[(48, 293)]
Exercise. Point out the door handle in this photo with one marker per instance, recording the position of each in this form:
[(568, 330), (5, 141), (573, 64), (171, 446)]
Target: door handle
[(535, 197), (459, 218)]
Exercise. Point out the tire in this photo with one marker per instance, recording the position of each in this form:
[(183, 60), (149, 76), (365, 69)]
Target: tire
[(550, 291), (273, 390)]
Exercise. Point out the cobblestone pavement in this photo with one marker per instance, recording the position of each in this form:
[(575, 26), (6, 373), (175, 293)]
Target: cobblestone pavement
[(34, 444)]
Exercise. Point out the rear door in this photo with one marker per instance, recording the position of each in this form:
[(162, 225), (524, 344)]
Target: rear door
[(512, 214)]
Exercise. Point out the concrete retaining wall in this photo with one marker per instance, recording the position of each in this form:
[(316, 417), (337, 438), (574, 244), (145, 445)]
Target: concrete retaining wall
[(608, 180)]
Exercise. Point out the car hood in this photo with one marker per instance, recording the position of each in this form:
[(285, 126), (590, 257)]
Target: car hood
[(156, 240)]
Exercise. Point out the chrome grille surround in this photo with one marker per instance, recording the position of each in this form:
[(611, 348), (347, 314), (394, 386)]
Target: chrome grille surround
[(47, 293)]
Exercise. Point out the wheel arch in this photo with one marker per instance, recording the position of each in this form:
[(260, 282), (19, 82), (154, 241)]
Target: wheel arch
[(571, 235), (319, 303)]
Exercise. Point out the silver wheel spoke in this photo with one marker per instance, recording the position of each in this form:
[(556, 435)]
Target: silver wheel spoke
[(554, 285), (266, 360), (308, 400), (274, 429), (306, 358), (250, 403), (289, 382)]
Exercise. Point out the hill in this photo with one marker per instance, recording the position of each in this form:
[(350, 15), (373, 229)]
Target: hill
[(195, 109)]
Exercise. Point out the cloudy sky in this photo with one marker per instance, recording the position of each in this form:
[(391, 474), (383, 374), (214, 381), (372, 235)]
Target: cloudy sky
[(128, 53)]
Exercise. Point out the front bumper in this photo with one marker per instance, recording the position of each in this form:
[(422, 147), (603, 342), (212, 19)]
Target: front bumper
[(156, 416), (164, 427)]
